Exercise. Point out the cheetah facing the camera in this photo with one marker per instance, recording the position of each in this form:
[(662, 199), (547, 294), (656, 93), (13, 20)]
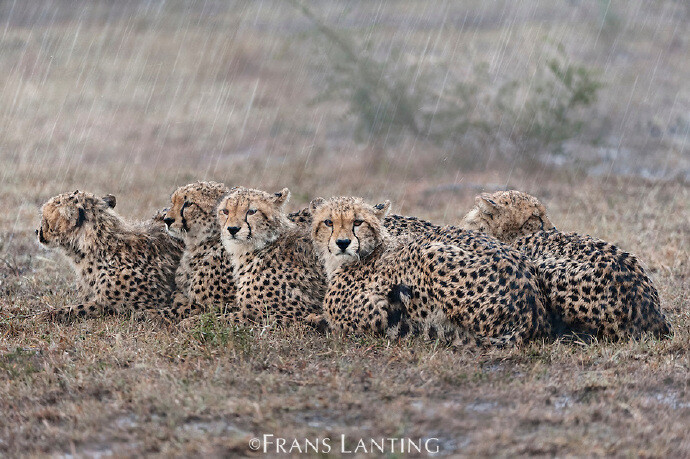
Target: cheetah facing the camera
[(597, 289), (122, 267), (205, 278), (442, 279), (277, 274)]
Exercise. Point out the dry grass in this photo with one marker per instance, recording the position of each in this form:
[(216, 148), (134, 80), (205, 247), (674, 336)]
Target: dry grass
[(138, 104)]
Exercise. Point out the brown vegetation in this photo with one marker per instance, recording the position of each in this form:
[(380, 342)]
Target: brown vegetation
[(140, 100)]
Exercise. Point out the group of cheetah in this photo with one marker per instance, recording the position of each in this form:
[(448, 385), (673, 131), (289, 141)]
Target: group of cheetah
[(503, 276)]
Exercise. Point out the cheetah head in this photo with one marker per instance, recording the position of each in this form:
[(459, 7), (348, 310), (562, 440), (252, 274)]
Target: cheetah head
[(192, 211), (345, 230), (251, 219), (507, 215), (69, 218)]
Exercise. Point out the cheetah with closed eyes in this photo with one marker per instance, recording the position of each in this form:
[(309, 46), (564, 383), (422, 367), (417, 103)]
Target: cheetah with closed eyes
[(122, 267), (595, 287), (443, 279)]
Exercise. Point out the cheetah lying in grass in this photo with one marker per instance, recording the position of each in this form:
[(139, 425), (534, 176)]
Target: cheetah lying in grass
[(277, 274), (122, 267), (443, 279), (204, 279), (598, 289)]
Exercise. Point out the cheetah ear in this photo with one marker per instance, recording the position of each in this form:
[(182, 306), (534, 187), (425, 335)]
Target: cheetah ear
[(540, 210), (159, 215), (110, 200), (281, 197), (381, 210), (74, 215), (315, 204), (485, 203)]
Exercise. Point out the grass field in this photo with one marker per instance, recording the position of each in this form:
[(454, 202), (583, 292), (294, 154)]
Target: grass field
[(137, 98)]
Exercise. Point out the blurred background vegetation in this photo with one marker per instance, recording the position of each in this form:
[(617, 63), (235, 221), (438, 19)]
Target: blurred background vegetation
[(389, 95), (413, 88)]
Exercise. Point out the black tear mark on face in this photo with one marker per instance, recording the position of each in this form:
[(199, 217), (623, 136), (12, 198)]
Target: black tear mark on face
[(246, 215), (81, 218), (359, 244), (182, 217)]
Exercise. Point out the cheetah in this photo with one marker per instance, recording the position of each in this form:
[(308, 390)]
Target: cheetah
[(507, 215), (598, 289), (441, 278), (276, 272), (122, 267), (204, 279)]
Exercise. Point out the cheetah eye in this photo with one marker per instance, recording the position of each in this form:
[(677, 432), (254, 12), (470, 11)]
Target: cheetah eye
[(184, 207), (251, 211), (358, 222), (328, 223), (224, 211)]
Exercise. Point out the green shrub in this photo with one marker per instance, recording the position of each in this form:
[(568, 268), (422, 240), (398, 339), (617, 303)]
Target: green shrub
[(390, 97), (552, 109)]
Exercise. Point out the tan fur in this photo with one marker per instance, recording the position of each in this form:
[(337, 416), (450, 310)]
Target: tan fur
[(442, 278), (507, 215), (596, 288), (343, 214), (277, 275), (122, 267), (204, 280)]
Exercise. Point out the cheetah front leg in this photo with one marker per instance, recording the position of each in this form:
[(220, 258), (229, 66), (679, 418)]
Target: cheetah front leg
[(181, 308), (317, 321), (71, 312)]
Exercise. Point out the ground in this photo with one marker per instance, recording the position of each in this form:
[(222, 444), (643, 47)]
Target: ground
[(115, 385), (91, 100)]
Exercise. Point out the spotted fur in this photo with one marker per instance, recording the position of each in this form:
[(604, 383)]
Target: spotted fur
[(204, 280), (122, 267), (595, 287), (442, 279), (277, 274)]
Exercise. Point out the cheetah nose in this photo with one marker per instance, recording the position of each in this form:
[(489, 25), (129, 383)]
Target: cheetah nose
[(342, 243), (168, 221), (233, 230)]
